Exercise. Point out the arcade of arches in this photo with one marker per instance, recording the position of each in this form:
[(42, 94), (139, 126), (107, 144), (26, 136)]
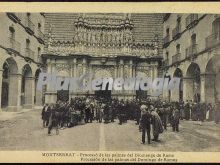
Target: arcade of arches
[(199, 86), (18, 86)]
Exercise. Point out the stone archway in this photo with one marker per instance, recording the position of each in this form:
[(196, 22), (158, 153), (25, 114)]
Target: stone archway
[(193, 83), (38, 95), (9, 84), (212, 80), (27, 87), (178, 95)]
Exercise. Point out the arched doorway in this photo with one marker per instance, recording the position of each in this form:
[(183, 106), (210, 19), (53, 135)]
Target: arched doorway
[(38, 97), (103, 94), (27, 87), (193, 82), (178, 95), (212, 80), (9, 84)]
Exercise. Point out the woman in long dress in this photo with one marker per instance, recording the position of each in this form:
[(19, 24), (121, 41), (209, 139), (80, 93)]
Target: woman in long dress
[(156, 124)]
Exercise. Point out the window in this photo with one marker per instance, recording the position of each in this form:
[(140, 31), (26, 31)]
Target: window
[(167, 55), (12, 33), (27, 43), (178, 48), (193, 39), (39, 26), (38, 53), (216, 27), (178, 21), (167, 31)]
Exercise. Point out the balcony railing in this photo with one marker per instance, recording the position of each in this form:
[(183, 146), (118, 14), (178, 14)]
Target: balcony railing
[(191, 20), (29, 25), (176, 32), (191, 51), (176, 57), (16, 46), (166, 41), (15, 17), (212, 40), (29, 53)]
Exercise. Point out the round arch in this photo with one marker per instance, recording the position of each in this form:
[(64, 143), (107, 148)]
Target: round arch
[(9, 83), (177, 95), (212, 80), (193, 82), (27, 87)]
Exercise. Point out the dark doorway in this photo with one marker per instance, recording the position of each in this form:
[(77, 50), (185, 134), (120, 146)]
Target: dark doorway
[(104, 94), (63, 95), (141, 94)]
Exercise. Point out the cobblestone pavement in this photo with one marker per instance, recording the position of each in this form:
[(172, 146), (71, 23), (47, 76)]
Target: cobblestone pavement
[(24, 132)]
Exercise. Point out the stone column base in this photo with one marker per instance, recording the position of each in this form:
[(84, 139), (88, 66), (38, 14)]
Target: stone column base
[(28, 106), (14, 108)]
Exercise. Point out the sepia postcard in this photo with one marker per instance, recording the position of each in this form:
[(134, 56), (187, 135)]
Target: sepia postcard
[(110, 82)]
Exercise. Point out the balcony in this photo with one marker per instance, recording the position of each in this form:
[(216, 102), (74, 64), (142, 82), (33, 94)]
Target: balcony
[(15, 17), (166, 41), (40, 36), (29, 53), (191, 51), (29, 26), (176, 32), (14, 46), (212, 40), (191, 20), (176, 58)]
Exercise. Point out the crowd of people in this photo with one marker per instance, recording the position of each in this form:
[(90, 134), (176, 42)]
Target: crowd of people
[(147, 112)]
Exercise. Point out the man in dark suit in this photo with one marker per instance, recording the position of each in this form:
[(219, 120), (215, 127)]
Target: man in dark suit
[(145, 123)]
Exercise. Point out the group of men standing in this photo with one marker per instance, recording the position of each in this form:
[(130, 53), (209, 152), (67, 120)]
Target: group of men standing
[(149, 114)]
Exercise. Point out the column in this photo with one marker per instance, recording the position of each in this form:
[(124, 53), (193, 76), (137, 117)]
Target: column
[(207, 88), (202, 87), (74, 67), (1, 71), (130, 68), (188, 91), (155, 71), (38, 95), (29, 92), (14, 96), (50, 95), (121, 68), (116, 71)]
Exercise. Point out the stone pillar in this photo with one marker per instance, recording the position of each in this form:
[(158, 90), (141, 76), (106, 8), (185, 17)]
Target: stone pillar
[(38, 95), (14, 96), (130, 68), (75, 67), (188, 91), (155, 71), (207, 88), (116, 71), (202, 87), (50, 95), (1, 71), (121, 67), (29, 92)]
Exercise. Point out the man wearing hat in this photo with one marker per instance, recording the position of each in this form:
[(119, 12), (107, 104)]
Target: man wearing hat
[(145, 123)]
